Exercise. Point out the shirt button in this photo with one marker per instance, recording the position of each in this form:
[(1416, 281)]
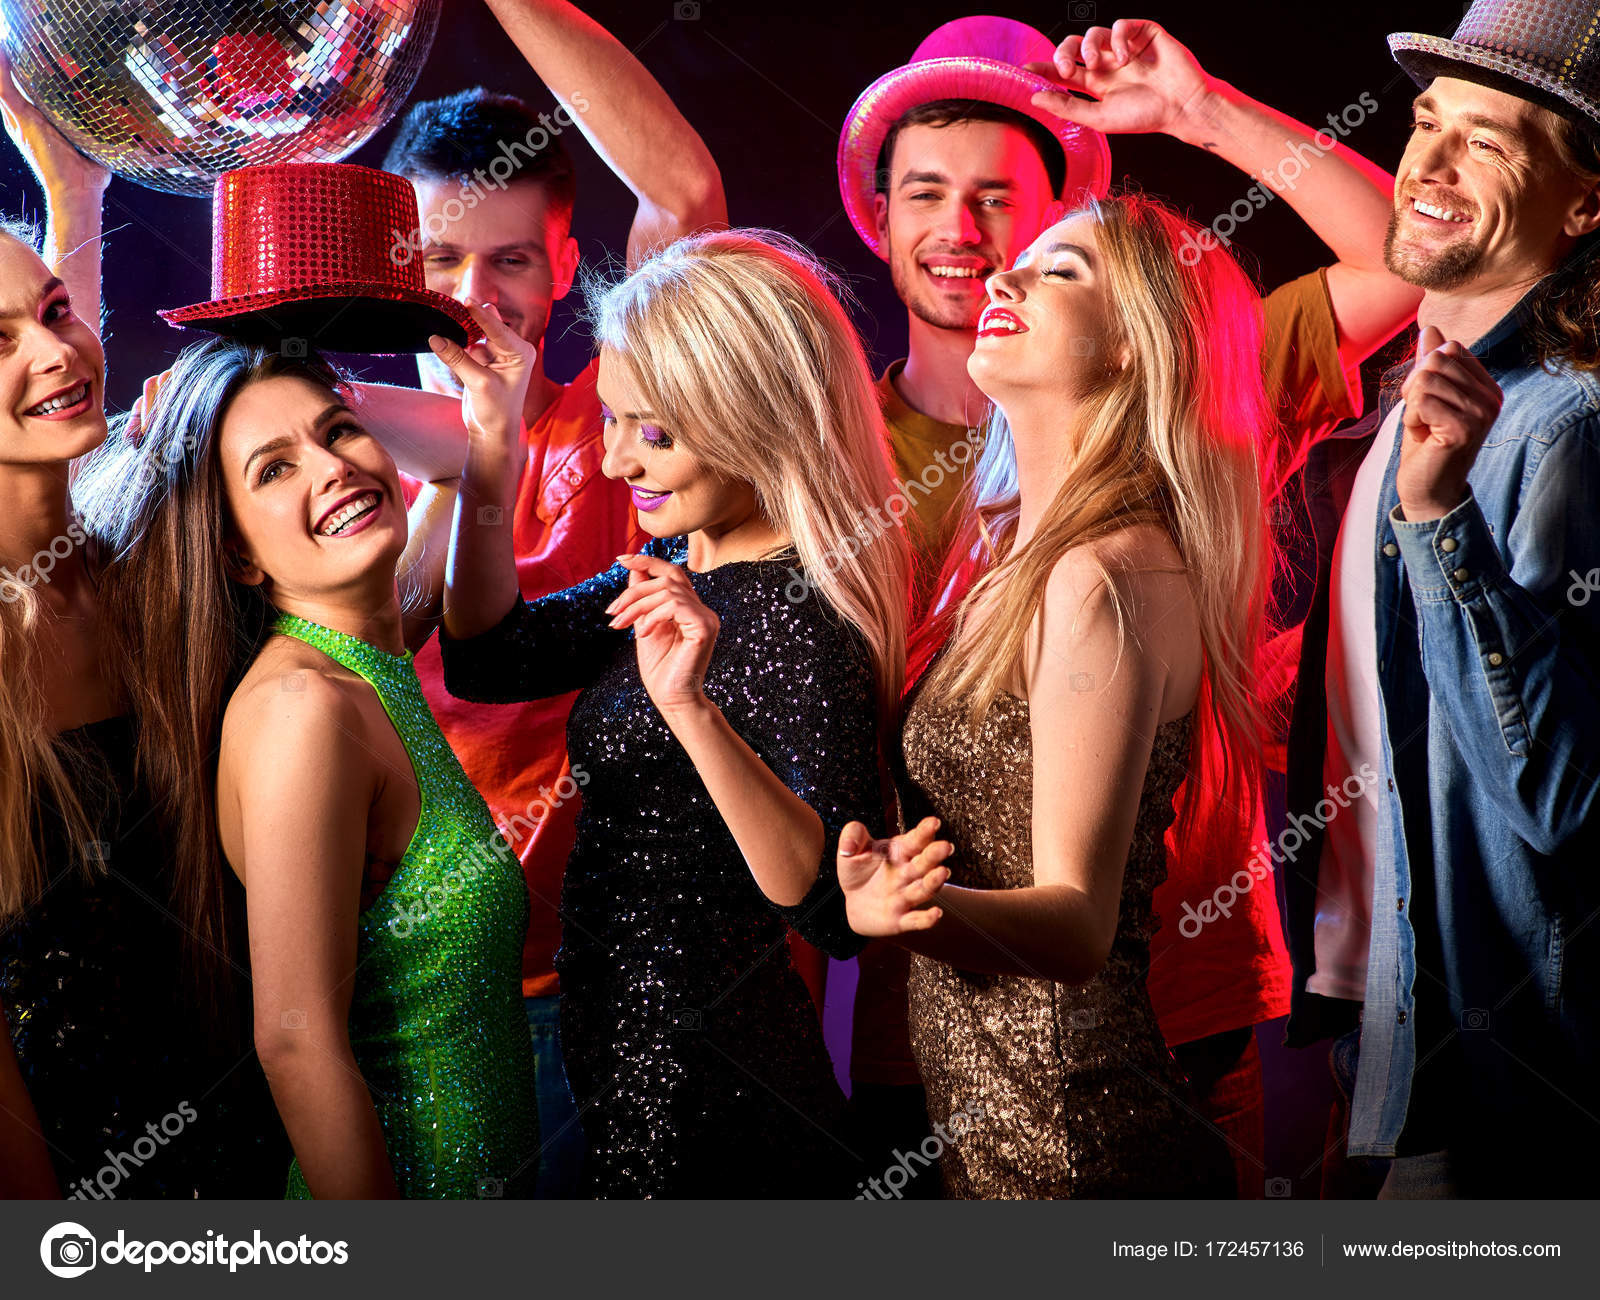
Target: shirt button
[(1449, 544), (1401, 1017), (1496, 659), (1460, 575), (1391, 550), (1399, 904)]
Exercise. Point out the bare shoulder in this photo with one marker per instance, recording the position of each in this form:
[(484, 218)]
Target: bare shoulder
[(1133, 578), (294, 703)]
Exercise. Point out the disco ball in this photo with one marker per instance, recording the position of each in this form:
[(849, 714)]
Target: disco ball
[(171, 93)]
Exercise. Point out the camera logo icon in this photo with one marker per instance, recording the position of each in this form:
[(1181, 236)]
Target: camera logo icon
[(68, 1250)]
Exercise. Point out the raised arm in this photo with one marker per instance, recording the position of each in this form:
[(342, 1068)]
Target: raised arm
[(1143, 80), (625, 115), (425, 434), (73, 190), (25, 1170), (302, 781)]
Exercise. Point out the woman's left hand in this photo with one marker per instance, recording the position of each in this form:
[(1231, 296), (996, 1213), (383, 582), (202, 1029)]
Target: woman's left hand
[(673, 632)]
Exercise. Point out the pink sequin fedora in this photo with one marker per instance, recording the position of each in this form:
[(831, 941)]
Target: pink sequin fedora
[(1547, 51), (977, 58)]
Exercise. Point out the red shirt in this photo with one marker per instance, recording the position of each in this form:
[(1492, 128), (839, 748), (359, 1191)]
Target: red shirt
[(571, 523)]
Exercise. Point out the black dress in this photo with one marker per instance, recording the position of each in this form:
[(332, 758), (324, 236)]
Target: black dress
[(142, 1088), (690, 1039)]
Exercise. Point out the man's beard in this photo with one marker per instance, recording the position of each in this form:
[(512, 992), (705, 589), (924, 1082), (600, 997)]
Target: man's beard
[(1449, 268), (944, 316)]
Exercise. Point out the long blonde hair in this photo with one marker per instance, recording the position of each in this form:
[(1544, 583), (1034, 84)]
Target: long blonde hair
[(1174, 439), (36, 770), (741, 348)]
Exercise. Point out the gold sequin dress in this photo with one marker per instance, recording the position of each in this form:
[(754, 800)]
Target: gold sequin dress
[(1047, 1089)]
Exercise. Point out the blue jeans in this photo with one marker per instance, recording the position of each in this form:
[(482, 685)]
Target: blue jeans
[(560, 1133)]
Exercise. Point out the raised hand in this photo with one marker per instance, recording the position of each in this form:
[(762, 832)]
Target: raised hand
[(63, 172), (494, 379), (144, 404), (1451, 402), (673, 632), (889, 885), (1141, 78)]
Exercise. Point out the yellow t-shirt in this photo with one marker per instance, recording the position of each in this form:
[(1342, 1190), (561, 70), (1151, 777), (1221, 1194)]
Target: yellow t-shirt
[(933, 463)]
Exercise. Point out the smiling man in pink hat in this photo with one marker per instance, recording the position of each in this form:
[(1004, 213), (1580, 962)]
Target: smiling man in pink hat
[(950, 166)]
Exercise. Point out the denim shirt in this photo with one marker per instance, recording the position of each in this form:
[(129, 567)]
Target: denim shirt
[(1489, 669)]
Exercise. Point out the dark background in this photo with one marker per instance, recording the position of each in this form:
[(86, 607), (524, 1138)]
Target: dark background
[(768, 86)]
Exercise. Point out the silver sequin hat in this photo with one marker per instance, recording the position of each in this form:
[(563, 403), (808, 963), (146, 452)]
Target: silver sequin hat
[(1547, 51)]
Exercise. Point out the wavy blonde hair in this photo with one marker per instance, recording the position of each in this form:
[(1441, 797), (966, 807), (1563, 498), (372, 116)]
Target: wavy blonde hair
[(740, 346), (1176, 440)]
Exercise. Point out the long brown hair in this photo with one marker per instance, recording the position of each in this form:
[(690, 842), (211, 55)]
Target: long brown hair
[(1174, 439), (174, 616), (1564, 311), (37, 771)]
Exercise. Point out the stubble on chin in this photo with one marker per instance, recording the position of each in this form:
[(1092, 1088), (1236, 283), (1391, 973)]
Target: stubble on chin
[(1449, 268), (925, 307)]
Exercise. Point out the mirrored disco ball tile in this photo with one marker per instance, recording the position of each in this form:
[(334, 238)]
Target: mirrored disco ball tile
[(171, 93)]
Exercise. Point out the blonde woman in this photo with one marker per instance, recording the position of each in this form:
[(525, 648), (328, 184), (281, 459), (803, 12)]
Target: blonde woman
[(1108, 643), (734, 677)]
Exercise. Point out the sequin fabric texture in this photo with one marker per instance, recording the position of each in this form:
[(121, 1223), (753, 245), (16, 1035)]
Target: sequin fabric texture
[(142, 1088), (691, 1042), (1071, 1090), (437, 1022)]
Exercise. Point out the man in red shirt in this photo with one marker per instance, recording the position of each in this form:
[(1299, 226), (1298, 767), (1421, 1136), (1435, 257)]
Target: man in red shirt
[(495, 188)]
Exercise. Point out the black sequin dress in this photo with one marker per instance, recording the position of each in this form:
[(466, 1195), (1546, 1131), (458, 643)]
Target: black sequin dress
[(143, 1089), (690, 1039)]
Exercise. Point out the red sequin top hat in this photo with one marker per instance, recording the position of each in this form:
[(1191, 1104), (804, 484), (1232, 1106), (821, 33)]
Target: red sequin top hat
[(322, 253), (977, 58), (1547, 51)]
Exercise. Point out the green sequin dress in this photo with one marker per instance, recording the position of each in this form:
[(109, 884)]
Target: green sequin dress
[(437, 1021)]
